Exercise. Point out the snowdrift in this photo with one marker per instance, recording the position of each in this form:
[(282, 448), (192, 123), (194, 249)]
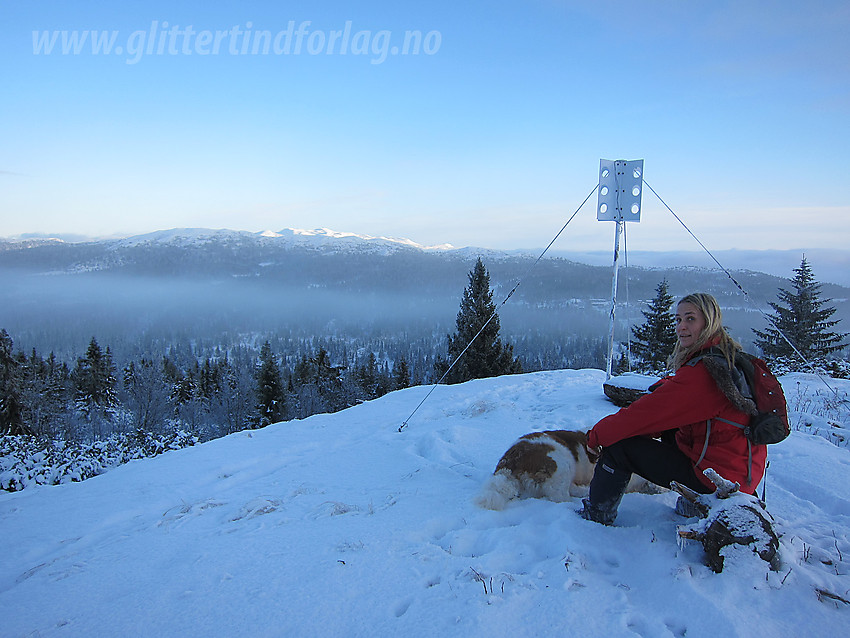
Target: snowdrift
[(339, 525)]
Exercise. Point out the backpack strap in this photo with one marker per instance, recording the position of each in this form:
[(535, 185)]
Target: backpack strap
[(738, 389), (705, 446), (713, 351), (749, 445)]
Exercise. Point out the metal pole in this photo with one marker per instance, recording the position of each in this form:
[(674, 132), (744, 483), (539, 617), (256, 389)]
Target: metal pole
[(620, 186), (617, 232)]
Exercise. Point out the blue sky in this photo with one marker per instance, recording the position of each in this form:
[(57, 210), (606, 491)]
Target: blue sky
[(490, 135)]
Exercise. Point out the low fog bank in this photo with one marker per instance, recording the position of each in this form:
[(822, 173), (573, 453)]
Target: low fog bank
[(136, 315), (61, 313), (832, 266)]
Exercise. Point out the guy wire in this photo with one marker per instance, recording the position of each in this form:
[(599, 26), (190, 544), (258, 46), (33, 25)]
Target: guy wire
[(495, 312), (746, 295)]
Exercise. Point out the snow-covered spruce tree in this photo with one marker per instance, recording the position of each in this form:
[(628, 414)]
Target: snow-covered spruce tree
[(804, 318), (270, 394), (368, 377), (317, 386), (94, 388), (621, 365), (187, 398), (329, 381), (146, 395), (232, 408), (487, 356), (656, 337), (44, 394), (401, 374), (11, 419)]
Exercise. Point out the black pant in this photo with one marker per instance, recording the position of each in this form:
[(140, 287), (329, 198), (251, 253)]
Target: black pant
[(659, 462)]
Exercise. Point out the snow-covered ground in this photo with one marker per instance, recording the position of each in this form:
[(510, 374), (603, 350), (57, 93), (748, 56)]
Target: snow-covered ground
[(339, 525)]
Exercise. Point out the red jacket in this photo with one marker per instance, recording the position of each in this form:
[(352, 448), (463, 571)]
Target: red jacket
[(685, 402)]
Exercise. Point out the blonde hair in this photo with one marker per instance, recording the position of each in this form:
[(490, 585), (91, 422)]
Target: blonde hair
[(713, 316)]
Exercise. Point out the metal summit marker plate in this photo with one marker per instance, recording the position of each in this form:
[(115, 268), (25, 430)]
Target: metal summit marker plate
[(620, 189)]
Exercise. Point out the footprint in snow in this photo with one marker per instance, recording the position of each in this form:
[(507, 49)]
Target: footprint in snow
[(400, 607), (676, 628), (180, 513), (257, 507)]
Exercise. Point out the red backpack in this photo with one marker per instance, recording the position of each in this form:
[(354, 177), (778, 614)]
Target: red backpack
[(771, 424), (755, 381)]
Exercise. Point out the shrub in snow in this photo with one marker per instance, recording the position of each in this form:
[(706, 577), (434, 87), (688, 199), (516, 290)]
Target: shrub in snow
[(30, 460), (821, 412), (838, 369)]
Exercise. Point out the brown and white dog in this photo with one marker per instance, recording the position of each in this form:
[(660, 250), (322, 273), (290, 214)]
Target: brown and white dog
[(553, 464)]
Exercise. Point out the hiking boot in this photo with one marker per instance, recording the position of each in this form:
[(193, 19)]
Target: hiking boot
[(596, 514)]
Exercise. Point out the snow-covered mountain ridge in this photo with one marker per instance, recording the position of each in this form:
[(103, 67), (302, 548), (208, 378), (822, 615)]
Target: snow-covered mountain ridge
[(831, 265), (338, 525), (237, 253), (319, 237), (302, 280)]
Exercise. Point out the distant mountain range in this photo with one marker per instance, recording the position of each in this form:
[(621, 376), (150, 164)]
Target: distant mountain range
[(350, 262), (831, 266), (288, 237), (320, 258), (202, 283)]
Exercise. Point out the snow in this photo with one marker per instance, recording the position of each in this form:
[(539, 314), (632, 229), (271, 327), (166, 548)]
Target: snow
[(632, 381), (329, 237), (319, 237), (183, 236), (339, 525)]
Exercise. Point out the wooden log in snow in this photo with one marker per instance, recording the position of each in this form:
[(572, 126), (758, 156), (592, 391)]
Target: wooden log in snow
[(730, 517)]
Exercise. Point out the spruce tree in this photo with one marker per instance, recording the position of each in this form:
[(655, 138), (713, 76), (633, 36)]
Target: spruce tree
[(487, 356), (270, 394), (234, 406), (367, 377), (401, 374), (318, 386), (11, 420), (43, 394), (329, 381), (804, 318), (146, 395), (94, 387), (656, 337)]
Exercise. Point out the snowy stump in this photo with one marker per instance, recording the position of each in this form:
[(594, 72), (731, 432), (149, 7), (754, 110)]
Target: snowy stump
[(730, 517), (625, 389)]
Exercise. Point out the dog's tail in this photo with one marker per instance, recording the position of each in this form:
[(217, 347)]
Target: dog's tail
[(497, 491)]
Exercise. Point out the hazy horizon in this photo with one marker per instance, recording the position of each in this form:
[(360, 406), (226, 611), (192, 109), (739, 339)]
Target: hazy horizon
[(830, 265), (440, 122)]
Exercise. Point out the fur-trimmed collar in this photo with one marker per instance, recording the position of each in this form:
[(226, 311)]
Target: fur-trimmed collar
[(726, 383)]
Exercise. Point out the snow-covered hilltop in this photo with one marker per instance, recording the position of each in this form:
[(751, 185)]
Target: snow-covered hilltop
[(328, 237), (186, 237), (211, 252), (338, 525), (316, 238), (831, 265)]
